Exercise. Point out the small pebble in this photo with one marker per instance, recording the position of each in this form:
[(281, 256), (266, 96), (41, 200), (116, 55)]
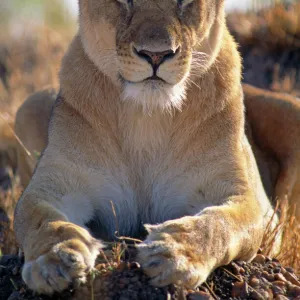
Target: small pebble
[(134, 265), (281, 297), (199, 296), (277, 270), (254, 282), (240, 289), (279, 277), (277, 290), (235, 269), (292, 278), (134, 279), (100, 267), (289, 269), (268, 276), (122, 266), (255, 295), (14, 296), (281, 284), (268, 259), (259, 258), (124, 281), (15, 270), (294, 290), (266, 293)]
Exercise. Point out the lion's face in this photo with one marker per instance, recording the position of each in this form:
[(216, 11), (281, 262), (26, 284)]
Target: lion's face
[(152, 47)]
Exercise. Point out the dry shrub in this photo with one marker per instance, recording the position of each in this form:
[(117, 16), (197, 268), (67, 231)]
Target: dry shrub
[(269, 42), (275, 29)]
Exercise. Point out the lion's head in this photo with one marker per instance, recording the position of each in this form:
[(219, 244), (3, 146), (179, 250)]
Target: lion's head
[(152, 48)]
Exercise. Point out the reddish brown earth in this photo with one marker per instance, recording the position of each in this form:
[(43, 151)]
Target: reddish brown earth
[(264, 278)]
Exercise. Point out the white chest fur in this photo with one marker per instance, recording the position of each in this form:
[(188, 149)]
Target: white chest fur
[(151, 181)]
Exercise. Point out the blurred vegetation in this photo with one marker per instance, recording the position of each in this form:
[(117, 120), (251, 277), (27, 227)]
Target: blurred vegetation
[(259, 4), (269, 41), (54, 13)]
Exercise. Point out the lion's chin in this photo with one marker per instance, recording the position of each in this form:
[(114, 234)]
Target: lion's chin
[(152, 95)]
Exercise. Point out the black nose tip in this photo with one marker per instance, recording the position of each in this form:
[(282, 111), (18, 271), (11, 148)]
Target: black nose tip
[(155, 58)]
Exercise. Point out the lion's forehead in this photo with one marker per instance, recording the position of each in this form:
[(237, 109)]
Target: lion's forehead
[(113, 10), (168, 13)]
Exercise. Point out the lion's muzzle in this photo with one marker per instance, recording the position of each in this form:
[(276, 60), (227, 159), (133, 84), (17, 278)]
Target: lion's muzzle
[(155, 59)]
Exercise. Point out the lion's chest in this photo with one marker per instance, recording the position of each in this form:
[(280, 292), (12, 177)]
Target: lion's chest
[(150, 178), (125, 202)]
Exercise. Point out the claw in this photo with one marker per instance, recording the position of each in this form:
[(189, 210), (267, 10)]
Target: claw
[(160, 281), (153, 264), (62, 273)]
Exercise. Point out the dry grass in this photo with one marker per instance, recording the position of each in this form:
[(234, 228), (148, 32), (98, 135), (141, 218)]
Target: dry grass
[(33, 62), (270, 43), (287, 229), (8, 201)]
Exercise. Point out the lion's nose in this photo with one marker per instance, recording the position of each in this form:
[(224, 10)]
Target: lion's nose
[(155, 59)]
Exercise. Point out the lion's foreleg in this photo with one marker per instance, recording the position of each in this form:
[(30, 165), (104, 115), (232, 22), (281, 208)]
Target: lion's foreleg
[(57, 252), (185, 251)]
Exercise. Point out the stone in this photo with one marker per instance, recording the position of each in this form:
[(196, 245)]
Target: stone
[(260, 259), (240, 289)]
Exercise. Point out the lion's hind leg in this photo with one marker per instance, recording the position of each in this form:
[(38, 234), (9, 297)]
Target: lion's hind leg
[(31, 128)]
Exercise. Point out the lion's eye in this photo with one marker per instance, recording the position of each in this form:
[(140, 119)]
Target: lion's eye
[(183, 3), (128, 3)]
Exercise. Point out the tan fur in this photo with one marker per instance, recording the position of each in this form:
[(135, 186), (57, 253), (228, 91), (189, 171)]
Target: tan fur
[(267, 114), (274, 122), (181, 163), (31, 127)]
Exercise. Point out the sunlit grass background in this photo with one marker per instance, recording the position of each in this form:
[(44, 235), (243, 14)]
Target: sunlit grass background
[(34, 35)]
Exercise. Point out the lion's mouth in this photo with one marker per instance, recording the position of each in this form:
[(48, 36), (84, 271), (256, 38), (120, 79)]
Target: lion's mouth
[(155, 78)]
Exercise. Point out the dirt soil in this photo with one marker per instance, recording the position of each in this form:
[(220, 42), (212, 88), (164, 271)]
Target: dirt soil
[(264, 278)]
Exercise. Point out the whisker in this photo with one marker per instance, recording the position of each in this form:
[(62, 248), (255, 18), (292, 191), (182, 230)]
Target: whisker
[(189, 80)]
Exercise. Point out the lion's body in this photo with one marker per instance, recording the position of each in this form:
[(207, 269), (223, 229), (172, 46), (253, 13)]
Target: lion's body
[(268, 114), (158, 149), (274, 120)]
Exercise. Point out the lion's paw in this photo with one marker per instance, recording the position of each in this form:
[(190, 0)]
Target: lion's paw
[(167, 259), (67, 263)]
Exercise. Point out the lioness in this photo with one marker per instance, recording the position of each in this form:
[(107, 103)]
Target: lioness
[(150, 117)]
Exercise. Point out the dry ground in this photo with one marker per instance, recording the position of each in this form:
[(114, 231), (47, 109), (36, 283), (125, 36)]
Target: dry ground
[(269, 42)]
